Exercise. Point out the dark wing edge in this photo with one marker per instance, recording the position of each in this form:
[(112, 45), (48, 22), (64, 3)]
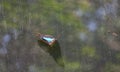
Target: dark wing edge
[(55, 52)]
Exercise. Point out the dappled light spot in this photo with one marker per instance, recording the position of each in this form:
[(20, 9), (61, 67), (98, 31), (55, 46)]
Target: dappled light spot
[(83, 36), (6, 39), (15, 33), (3, 51), (111, 8), (79, 13), (92, 26), (101, 13), (18, 65)]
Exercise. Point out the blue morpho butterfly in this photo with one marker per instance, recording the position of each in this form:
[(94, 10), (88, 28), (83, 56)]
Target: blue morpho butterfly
[(48, 39), (52, 46)]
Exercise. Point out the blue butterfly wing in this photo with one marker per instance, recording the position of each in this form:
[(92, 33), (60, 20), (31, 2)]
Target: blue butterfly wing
[(48, 39)]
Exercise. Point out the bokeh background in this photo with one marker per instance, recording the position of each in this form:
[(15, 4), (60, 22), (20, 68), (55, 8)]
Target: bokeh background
[(88, 32)]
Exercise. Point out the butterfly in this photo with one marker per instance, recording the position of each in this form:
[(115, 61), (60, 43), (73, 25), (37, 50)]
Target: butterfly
[(48, 40), (52, 46)]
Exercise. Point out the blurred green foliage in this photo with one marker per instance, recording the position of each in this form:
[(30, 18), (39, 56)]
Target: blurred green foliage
[(95, 51), (88, 51), (18, 13), (72, 66), (110, 67)]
